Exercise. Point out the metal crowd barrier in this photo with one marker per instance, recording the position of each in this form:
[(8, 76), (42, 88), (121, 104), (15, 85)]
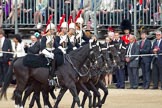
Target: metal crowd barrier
[(25, 16)]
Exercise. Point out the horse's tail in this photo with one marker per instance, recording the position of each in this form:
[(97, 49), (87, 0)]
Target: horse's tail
[(7, 81)]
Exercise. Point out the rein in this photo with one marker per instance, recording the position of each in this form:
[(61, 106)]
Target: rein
[(76, 70)]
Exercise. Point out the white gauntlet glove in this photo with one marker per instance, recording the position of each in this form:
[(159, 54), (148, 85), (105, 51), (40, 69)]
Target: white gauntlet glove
[(74, 48), (62, 49), (48, 54)]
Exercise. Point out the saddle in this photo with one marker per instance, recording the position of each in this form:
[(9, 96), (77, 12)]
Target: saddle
[(35, 61)]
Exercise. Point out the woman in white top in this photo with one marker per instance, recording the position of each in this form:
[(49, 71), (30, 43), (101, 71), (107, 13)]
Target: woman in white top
[(18, 46)]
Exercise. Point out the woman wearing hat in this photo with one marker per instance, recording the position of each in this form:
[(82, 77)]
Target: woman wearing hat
[(34, 46)]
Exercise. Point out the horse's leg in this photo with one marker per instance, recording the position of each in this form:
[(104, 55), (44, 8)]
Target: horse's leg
[(73, 103), (15, 97), (84, 99), (32, 101), (28, 91), (52, 92), (46, 99), (102, 87), (87, 93), (94, 100), (95, 93), (73, 91), (59, 97), (36, 96), (19, 97)]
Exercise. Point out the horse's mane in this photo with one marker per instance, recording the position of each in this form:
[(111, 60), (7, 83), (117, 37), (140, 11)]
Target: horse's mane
[(74, 52)]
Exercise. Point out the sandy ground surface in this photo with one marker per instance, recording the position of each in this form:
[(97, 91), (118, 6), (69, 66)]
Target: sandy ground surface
[(117, 98)]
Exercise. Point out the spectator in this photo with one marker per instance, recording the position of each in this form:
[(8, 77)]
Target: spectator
[(51, 7), (18, 46), (85, 5), (7, 7), (151, 9), (89, 15), (109, 76), (28, 11), (106, 7), (138, 11), (122, 8), (5, 45), (145, 62), (40, 11), (1, 13), (34, 46), (12, 13), (157, 61), (132, 62)]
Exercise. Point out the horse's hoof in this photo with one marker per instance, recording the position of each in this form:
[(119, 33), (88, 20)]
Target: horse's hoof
[(46, 106), (16, 106), (102, 102), (21, 107)]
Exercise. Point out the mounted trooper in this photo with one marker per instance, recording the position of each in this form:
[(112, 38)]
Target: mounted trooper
[(61, 38), (81, 37), (47, 42), (47, 49), (72, 43)]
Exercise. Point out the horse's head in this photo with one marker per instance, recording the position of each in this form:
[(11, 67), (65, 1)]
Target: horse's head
[(106, 57), (95, 54), (121, 52)]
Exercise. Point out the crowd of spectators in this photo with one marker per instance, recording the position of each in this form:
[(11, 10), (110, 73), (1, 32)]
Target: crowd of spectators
[(109, 12)]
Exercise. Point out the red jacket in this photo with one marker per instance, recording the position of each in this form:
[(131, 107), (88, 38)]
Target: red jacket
[(125, 38)]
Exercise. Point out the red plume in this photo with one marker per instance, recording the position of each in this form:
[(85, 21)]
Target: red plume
[(110, 29), (61, 21), (70, 19), (48, 22), (140, 2), (78, 15)]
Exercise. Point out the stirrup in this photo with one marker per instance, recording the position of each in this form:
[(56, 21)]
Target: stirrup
[(51, 82)]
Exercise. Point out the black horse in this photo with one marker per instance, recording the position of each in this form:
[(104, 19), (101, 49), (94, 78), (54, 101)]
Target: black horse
[(81, 84), (36, 87), (67, 74), (75, 61)]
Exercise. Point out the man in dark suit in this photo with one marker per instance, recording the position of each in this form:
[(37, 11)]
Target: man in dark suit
[(157, 60), (5, 45), (132, 62), (145, 48)]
